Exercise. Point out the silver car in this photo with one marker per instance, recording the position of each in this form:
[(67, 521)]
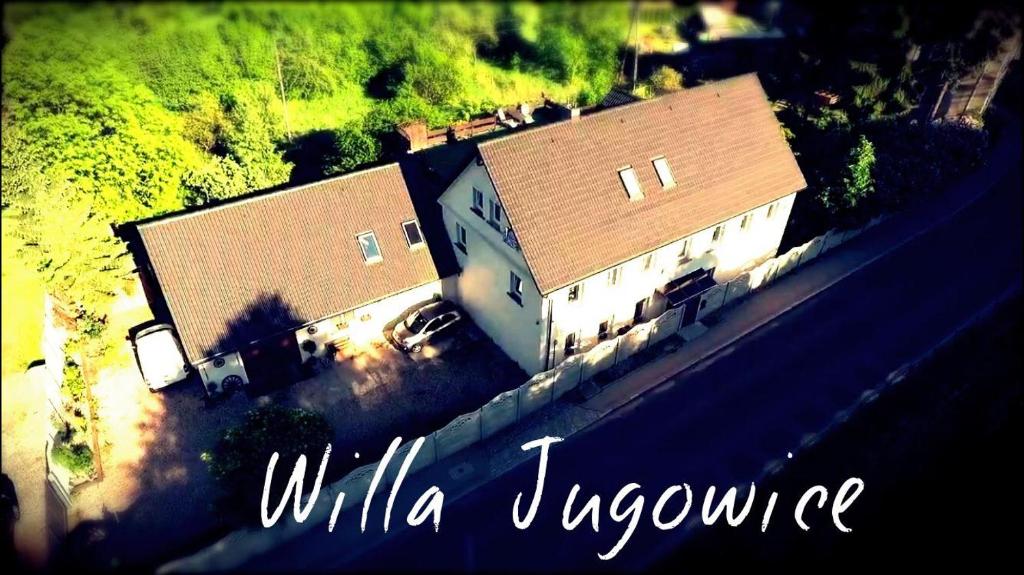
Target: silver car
[(420, 326)]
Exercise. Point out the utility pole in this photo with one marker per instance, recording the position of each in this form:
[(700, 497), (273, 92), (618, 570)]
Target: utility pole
[(284, 101), (636, 39)]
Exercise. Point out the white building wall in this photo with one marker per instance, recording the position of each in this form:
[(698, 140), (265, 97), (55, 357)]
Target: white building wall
[(738, 250), (483, 284), (366, 325)]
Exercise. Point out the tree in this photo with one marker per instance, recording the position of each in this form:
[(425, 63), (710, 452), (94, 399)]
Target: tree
[(666, 79), (250, 139), (22, 176), (239, 459), (218, 179), (846, 199), (352, 148), (73, 249)]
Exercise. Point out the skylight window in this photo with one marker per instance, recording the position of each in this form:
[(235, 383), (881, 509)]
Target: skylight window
[(369, 247), (664, 173), (631, 183), (413, 236)]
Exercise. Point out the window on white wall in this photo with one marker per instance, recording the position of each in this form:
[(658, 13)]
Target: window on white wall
[(648, 262), (515, 287), (614, 276), (745, 222), (631, 183), (460, 237), (495, 215), (575, 292), (664, 173), (719, 234), (684, 252), (772, 209), (478, 202), (368, 245), (413, 235)]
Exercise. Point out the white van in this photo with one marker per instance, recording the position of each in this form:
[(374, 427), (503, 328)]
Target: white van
[(160, 357)]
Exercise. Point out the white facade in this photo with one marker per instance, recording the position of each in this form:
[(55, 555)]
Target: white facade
[(606, 301), (487, 262), (351, 331), (362, 326)]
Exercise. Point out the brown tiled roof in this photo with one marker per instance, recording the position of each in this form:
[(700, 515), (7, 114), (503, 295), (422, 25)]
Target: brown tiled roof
[(561, 190), (244, 270)]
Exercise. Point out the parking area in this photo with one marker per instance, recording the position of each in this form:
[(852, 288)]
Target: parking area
[(151, 443), (385, 392)]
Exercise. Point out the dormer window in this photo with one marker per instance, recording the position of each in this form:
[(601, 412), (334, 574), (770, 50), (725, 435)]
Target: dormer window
[(413, 235), (368, 245), (664, 173), (631, 183)]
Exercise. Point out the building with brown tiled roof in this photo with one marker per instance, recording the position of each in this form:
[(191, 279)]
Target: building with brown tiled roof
[(569, 233), (257, 285)]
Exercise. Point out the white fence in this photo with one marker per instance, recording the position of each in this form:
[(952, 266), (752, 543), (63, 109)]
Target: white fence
[(509, 407)]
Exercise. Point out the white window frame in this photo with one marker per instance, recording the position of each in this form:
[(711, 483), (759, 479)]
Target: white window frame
[(461, 237), (746, 220), (366, 257), (648, 262), (515, 287), (419, 233), (579, 292), (614, 276), (664, 172), (685, 254), (631, 182), (718, 234), (478, 208), (773, 208)]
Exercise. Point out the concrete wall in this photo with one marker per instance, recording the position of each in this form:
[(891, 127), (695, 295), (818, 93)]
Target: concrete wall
[(483, 283)]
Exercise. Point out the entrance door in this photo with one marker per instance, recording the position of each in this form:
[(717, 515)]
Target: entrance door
[(690, 307), (638, 311), (274, 362)]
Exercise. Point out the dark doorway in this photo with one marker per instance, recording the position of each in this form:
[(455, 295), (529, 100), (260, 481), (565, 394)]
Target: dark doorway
[(638, 311), (690, 308), (570, 344), (273, 362)]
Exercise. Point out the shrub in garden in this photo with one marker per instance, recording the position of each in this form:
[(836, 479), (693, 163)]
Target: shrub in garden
[(239, 459), (75, 457)]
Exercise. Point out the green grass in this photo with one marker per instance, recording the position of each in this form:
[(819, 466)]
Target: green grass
[(22, 311)]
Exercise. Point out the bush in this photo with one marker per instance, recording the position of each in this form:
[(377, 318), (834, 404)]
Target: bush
[(352, 149), (75, 457), (239, 459), (666, 79)]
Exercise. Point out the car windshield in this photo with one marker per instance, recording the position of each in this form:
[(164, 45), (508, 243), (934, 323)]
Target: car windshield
[(415, 322)]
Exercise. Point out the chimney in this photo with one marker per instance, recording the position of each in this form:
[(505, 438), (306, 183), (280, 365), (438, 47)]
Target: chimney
[(415, 134), (567, 111)]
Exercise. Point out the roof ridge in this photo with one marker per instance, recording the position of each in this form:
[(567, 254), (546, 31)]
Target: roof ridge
[(251, 196), (631, 105)]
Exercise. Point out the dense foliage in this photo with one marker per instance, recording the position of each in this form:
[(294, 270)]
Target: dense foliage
[(114, 112), (239, 459)]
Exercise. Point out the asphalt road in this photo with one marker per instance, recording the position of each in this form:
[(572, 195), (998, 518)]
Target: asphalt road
[(721, 422)]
